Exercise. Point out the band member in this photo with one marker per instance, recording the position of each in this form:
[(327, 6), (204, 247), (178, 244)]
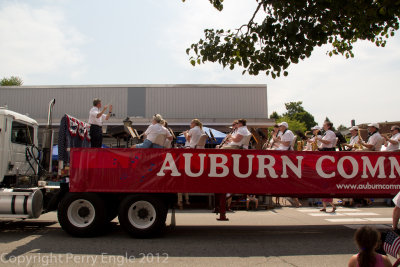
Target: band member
[(392, 143), (155, 129), (194, 134), (285, 140), (328, 140), (351, 146), (236, 139), (272, 144), (226, 140), (375, 139), (314, 142), (96, 118)]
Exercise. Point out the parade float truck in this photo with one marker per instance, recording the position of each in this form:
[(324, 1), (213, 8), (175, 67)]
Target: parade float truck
[(139, 185)]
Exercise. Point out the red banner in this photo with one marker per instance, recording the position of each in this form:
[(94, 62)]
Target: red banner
[(284, 173)]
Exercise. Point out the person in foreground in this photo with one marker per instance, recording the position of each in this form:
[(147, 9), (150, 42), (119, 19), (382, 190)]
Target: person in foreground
[(367, 239)]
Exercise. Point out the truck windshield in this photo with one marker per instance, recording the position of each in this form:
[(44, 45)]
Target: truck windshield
[(21, 133)]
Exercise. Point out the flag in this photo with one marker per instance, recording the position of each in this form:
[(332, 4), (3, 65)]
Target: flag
[(392, 244)]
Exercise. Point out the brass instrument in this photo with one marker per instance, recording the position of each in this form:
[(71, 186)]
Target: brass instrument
[(300, 145), (359, 146), (314, 145), (266, 145)]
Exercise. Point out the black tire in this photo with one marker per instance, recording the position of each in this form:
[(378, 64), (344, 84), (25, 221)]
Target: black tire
[(86, 217), (148, 212)]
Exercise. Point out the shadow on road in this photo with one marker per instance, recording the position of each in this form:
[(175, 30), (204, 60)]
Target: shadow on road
[(185, 241)]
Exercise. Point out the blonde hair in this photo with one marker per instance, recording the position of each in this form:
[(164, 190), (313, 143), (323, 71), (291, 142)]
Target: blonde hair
[(197, 122), (158, 118)]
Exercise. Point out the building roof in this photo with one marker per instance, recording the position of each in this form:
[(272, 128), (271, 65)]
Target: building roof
[(133, 85)]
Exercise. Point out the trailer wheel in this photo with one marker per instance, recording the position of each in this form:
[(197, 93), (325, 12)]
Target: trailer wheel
[(143, 216), (82, 214)]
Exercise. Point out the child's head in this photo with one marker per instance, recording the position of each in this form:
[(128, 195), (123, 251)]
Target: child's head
[(367, 238)]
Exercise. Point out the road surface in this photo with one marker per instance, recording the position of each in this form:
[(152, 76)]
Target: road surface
[(280, 237)]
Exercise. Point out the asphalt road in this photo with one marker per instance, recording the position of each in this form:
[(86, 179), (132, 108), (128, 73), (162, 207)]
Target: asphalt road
[(279, 237)]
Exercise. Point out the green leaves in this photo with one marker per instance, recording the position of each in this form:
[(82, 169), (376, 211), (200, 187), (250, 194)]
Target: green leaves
[(292, 29), (12, 81)]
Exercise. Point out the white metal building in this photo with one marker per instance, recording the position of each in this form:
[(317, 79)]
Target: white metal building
[(216, 105)]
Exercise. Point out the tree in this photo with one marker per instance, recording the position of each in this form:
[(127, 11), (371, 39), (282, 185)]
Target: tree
[(290, 30), (274, 115), (341, 128), (295, 111), (12, 81), (294, 125)]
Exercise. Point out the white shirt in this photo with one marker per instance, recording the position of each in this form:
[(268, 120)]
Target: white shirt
[(94, 111), (155, 130), (243, 131), (195, 133), (328, 136), (353, 140), (392, 147), (168, 143), (376, 140), (287, 136)]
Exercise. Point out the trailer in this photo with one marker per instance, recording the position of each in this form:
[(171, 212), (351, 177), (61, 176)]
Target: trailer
[(141, 183), (139, 186)]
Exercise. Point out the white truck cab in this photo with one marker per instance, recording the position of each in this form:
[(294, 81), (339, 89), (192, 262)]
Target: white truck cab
[(17, 134), (18, 138)]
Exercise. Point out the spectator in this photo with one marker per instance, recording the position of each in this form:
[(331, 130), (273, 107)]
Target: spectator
[(367, 240), (251, 198), (330, 201)]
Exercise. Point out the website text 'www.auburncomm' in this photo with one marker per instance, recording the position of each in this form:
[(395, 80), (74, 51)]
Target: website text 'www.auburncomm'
[(368, 186), (51, 259)]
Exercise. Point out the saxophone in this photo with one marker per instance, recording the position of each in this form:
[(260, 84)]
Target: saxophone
[(314, 144), (300, 145), (358, 146)]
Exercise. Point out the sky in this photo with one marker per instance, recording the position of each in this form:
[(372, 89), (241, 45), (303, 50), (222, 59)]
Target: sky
[(70, 42)]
